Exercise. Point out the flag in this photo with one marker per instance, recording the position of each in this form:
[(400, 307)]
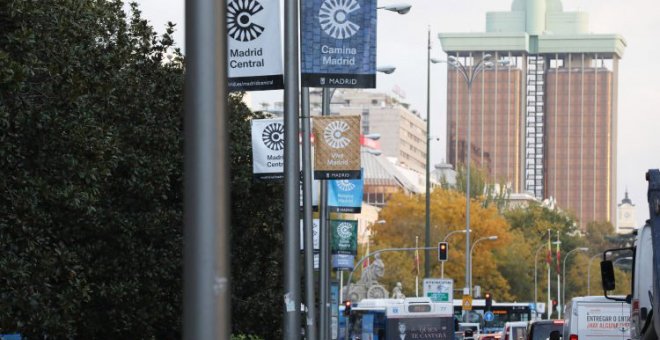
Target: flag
[(548, 254), (558, 254), (365, 264)]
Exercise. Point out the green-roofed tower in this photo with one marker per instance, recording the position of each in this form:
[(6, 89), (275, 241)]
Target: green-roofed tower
[(547, 122)]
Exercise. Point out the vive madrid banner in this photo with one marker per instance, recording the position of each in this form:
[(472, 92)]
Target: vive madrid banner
[(254, 51), (268, 149), (337, 147), (338, 44), (345, 195), (344, 237)]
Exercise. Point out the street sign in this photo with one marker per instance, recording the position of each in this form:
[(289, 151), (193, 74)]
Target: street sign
[(439, 290), (489, 316), (467, 302)]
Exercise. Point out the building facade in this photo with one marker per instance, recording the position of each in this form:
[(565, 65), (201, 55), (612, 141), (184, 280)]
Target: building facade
[(626, 221), (545, 123)]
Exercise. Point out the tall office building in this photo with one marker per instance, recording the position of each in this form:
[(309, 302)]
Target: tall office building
[(545, 123)]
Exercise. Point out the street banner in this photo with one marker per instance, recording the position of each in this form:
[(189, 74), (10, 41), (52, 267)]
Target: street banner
[(338, 44), (337, 147), (344, 237), (254, 45), (268, 149), (345, 195), (316, 226)]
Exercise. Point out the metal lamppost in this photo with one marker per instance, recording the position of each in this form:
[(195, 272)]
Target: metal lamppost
[(536, 289), (487, 238), (589, 273), (469, 73), (442, 263), (324, 262), (563, 276), (427, 239)]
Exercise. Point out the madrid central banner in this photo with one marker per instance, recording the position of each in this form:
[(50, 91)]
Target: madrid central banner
[(338, 43), (254, 55)]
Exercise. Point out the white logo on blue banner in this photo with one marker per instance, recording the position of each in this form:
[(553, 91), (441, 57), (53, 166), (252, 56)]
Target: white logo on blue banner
[(254, 49), (345, 196), (338, 44)]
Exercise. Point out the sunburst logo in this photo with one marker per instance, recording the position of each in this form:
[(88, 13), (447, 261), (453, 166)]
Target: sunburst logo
[(240, 19), (334, 134), (344, 230), (333, 17), (345, 185), (273, 136)]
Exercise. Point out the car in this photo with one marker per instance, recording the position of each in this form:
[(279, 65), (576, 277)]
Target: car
[(491, 336), (544, 329), (515, 330)]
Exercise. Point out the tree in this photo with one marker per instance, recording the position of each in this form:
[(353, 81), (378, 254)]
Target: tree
[(405, 221), (91, 168)]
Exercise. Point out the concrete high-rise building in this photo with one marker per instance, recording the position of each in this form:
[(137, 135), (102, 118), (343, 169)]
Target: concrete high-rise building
[(546, 123)]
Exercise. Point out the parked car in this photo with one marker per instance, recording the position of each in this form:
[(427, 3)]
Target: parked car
[(516, 330), (544, 329)]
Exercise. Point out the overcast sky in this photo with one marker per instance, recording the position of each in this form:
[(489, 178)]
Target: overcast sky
[(402, 42)]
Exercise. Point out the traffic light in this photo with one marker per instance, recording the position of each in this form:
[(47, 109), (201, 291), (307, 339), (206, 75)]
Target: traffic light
[(554, 305), (443, 248), (489, 301), (347, 307)]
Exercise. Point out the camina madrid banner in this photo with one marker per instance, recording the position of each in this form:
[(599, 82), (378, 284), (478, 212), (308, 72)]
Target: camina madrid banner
[(254, 51), (338, 43)]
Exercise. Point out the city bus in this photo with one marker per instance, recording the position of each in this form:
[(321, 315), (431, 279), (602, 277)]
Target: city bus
[(397, 319), (501, 312)]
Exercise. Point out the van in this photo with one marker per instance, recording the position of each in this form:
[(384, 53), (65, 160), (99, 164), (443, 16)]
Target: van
[(516, 330), (596, 318)]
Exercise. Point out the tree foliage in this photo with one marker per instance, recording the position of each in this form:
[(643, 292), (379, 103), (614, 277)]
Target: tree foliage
[(405, 216), (91, 167)]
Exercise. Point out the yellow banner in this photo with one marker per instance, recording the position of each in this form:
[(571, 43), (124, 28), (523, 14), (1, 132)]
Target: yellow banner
[(337, 147)]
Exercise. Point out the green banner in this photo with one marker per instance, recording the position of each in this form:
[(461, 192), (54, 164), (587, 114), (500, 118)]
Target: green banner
[(344, 237)]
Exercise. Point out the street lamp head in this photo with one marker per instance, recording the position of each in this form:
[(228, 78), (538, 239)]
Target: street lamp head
[(386, 69), (381, 222), (583, 249), (399, 8), (492, 238), (452, 58), (487, 56), (503, 62), (437, 61), (373, 136)]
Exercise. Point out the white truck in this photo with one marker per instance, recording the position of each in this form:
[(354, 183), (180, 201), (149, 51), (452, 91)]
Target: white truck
[(596, 318), (641, 316)]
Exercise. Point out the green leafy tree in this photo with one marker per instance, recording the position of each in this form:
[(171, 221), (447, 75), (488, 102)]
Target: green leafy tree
[(91, 168)]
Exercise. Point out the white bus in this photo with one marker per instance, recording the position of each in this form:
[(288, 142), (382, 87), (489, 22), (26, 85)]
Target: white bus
[(400, 319)]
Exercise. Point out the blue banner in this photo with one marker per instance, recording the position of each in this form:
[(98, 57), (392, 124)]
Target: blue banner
[(345, 196), (338, 43)]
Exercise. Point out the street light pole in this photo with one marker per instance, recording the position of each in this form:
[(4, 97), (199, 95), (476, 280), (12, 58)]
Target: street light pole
[(536, 289), (469, 74), (563, 276), (442, 263), (427, 239), (589, 273), (487, 238)]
